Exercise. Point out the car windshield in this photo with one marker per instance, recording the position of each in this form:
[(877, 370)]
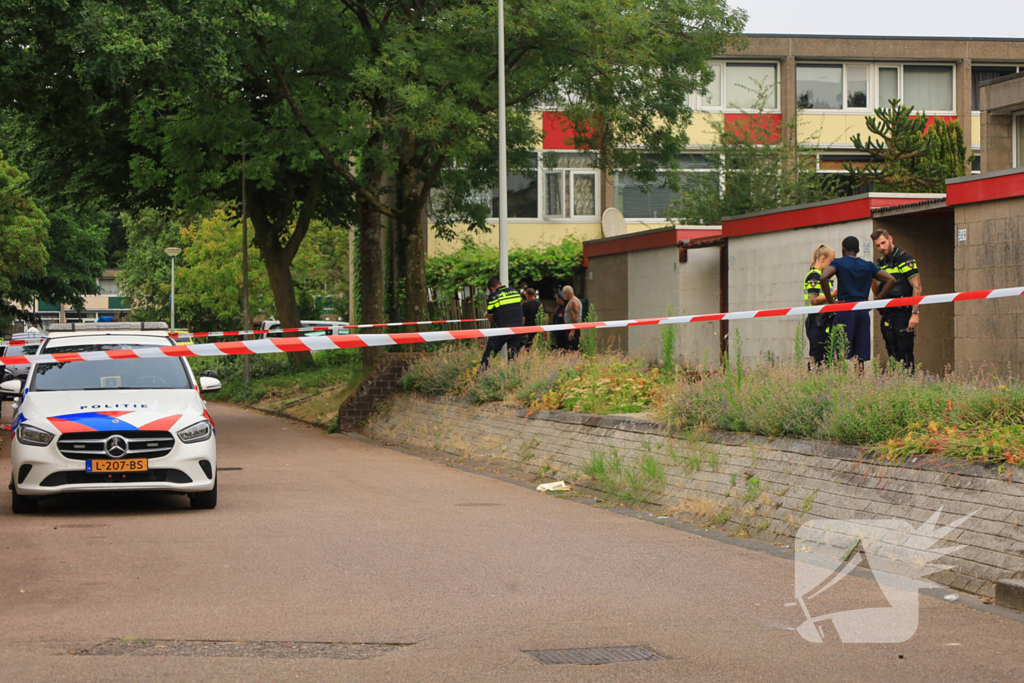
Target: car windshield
[(22, 350), (105, 375)]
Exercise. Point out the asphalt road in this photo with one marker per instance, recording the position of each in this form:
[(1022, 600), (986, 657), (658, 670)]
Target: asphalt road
[(327, 539)]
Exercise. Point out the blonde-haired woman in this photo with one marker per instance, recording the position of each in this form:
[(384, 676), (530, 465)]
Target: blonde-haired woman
[(819, 325)]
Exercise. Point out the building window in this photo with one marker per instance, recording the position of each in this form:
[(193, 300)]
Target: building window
[(856, 86), (108, 286), (744, 83), (522, 197), (634, 203), (819, 86), (713, 98), (927, 87), (982, 73), (570, 185), (832, 86), (888, 84)]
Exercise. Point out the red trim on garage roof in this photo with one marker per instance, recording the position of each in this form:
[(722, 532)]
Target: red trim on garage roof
[(856, 208), (651, 239), (985, 189)]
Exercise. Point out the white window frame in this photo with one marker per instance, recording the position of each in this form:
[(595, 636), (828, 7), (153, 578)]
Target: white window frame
[(542, 172), (697, 103), (571, 208), (846, 94), (926, 112), (878, 83)]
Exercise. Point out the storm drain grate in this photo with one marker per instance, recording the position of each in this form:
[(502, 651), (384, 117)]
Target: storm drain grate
[(595, 655), (266, 649)]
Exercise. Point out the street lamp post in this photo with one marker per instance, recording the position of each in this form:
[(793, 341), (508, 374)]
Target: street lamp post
[(502, 161), (172, 252)]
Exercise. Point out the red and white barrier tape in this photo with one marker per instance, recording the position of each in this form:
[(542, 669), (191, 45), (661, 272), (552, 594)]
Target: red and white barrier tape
[(238, 333), (350, 341)]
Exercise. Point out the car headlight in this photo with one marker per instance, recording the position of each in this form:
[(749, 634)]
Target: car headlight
[(33, 436), (200, 431)]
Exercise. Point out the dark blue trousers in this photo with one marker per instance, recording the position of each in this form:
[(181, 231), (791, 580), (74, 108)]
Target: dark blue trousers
[(858, 332)]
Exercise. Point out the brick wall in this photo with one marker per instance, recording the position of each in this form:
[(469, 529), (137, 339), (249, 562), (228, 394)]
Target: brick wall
[(988, 333), (763, 487), (379, 386)]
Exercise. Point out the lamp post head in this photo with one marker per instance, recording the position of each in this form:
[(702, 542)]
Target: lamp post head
[(172, 251)]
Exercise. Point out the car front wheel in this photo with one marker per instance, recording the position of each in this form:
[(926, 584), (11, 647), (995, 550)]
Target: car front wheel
[(204, 500), (20, 504)]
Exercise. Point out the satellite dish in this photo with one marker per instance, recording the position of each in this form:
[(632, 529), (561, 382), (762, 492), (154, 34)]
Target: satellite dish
[(613, 223)]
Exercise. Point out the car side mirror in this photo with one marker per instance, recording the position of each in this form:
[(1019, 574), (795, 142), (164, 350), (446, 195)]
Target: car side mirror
[(11, 387), (208, 385), (210, 373)]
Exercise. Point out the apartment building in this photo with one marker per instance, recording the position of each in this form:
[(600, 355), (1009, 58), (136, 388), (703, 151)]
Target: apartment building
[(834, 81), (108, 302)]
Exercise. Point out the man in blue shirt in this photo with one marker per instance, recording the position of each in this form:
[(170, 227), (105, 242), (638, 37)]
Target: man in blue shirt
[(855, 276)]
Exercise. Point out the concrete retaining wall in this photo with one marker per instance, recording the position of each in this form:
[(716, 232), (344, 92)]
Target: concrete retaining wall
[(748, 484)]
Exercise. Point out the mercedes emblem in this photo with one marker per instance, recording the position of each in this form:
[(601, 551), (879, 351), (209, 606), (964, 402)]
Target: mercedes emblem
[(115, 446)]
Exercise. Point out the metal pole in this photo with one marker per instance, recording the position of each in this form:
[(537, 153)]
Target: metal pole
[(172, 294), (245, 274), (502, 161)]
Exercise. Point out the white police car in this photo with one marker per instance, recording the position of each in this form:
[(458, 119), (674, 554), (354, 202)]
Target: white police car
[(112, 425)]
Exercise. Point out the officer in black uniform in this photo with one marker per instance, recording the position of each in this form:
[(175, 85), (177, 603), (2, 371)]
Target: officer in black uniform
[(504, 309), (898, 324), (819, 325)]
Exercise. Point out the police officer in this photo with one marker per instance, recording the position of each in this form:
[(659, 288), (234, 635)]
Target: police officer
[(898, 324), (504, 309), (819, 325)]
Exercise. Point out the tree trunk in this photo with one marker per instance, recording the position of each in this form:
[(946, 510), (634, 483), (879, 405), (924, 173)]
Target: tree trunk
[(371, 271), (279, 273), (415, 265)]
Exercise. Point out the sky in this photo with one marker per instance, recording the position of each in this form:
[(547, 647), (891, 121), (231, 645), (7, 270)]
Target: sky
[(976, 19)]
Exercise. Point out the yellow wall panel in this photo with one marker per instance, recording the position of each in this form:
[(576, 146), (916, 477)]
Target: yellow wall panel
[(976, 130), (519, 235), (828, 130), (537, 119), (700, 131)]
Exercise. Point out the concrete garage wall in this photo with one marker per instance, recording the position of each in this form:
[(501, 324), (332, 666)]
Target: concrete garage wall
[(657, 280), (607, 290), (764, 487), (929, 239), (767, 271), (988, 333)]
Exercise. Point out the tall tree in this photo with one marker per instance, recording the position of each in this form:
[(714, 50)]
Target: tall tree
[(23, 236), (901, 154), (155, 104), (426, 83)]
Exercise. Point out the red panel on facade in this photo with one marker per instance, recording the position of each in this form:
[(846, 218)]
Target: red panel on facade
[(742, 124), (986, 189), (642, 240), (931, 120), (558, 131), (839, 212)]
